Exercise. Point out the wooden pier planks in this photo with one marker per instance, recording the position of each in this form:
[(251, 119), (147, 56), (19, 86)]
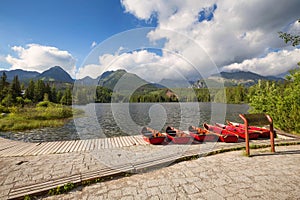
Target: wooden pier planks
[(18, 148)]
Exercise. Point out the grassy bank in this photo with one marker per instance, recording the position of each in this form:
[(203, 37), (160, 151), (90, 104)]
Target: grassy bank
[(44, 114)]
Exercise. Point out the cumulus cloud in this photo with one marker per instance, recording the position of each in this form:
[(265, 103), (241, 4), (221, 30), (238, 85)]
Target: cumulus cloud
[(35, 57), (147, 65), (272, 64), (230, 31)]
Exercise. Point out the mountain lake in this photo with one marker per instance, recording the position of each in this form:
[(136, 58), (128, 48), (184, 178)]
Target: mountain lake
[(123, 119)]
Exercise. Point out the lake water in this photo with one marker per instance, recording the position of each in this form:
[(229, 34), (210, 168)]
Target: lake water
[(122, 119)]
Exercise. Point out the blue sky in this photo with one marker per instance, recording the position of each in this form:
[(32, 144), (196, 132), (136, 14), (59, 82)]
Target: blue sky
[(70, 25), (186, 36)]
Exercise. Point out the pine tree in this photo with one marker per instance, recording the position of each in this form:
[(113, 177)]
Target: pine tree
[(29, 92), (53, 96), (39, 90), (59, 96), (3, 86), (47, 91), (15, 88), (67, 97)]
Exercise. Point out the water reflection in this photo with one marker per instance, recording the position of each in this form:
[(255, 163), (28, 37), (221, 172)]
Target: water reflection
[(110, 120)]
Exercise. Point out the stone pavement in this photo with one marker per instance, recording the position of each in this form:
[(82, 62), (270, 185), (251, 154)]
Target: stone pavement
[(182, 180), (228, 175)]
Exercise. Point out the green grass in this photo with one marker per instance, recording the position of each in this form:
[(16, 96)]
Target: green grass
[(43, 115)]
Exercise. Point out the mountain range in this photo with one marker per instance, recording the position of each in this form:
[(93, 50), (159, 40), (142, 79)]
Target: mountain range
[(109, 79), (235, 78), (54, 74)]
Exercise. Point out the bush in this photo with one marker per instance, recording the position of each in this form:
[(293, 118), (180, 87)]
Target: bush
[(280, 101), (4, 109), (45, 104)]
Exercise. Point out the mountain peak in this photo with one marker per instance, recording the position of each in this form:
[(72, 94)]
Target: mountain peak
[(56, 73)]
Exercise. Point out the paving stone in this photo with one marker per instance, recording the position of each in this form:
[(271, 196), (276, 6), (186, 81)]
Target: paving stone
[(222, 191), (129, 191), (211, 195), (166, 189), (141, 196), (178, 181), (154, 197), (170, 196), (190, 189), (153, 191), (114, 194), (236, 197), (127, 198), (196, 196)]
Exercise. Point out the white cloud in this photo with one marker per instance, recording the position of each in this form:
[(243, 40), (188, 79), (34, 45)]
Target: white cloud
[(93, 44), (39, 58), (147, 65), (2, 58), (272, 64), (238, 31), (88, 70)]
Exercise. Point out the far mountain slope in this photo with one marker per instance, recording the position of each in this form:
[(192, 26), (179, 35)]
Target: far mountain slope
[(233, 79), (120, 79), (22, 74), (55, 74)]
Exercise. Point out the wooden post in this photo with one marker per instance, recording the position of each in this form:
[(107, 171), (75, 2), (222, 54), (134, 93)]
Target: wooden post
[(246, 134), (257, 119), (271, 133)]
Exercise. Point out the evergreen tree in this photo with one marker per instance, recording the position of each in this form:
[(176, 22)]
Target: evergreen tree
[(39, 90), (59, 96), (47, 91), (103, 95), (3, 86), (29, 92), (67, 97), (53, 96), (7, 101), (15, 88)]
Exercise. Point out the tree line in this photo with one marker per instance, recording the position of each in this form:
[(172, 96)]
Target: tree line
[(15, 93), (99, 94)]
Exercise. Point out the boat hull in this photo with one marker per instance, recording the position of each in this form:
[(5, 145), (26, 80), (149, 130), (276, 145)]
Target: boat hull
[(204, 137), (253, 134), (224, 135), (177, 136), (152, 136), (263, 132), (180, 140), (154, 140)]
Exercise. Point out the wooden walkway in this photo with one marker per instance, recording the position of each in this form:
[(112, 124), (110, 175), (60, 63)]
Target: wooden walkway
[(10, 148)]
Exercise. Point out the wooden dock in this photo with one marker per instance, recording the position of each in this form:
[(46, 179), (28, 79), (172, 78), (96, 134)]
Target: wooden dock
[(10, 148)]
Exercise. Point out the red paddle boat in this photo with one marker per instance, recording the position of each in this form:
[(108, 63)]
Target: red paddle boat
[(224, 135), (152, 136)]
